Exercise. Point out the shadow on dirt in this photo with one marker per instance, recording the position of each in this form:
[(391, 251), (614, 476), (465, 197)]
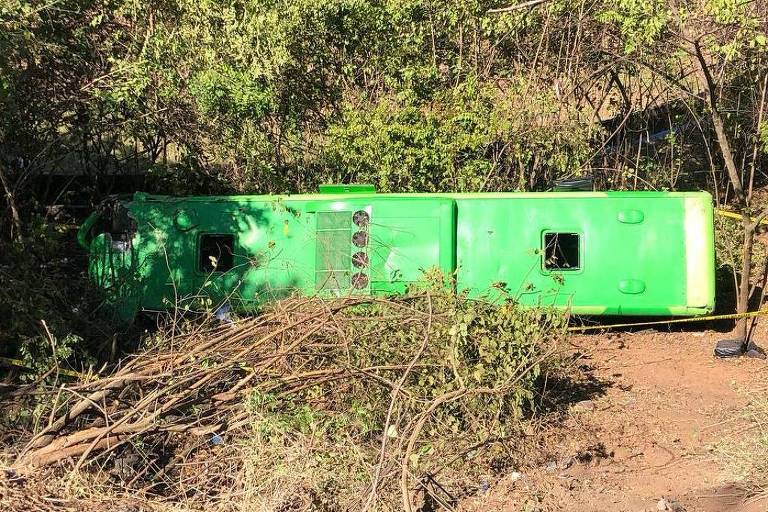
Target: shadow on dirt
[(575, 386), (619, 324)]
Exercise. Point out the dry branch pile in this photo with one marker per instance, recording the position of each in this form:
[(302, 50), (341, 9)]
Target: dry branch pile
[(342, 404)]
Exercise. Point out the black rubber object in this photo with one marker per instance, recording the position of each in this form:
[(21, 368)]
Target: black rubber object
[(730, 348), (574, 185), (755, 352)]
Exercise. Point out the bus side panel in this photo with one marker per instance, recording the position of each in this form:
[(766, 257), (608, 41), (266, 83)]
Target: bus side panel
[(408, 238), (631, 255)]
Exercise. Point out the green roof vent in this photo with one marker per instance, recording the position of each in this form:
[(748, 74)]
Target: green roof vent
[(352, 188)]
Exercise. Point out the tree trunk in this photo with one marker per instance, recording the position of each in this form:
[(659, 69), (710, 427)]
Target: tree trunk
[(15, 218), (742, 304), (717, 122), (725, 146)]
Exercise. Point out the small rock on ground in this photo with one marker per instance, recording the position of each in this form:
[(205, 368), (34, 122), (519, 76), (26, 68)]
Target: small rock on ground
[(584, 406), (667, 504)]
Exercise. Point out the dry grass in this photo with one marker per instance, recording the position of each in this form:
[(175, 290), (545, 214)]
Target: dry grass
[(348, 404), (746, 454)]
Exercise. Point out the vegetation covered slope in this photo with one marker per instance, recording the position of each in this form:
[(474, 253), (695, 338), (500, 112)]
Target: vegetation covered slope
[(269, 95), (190, 96)]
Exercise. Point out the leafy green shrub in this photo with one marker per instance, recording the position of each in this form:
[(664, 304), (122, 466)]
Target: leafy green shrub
[(470, 138), (475, 366), (640, 21)]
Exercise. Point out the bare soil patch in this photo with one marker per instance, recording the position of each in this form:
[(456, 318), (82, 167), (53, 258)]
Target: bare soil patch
[(659, 407)]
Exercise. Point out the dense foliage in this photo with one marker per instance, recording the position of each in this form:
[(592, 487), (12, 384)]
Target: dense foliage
[(184, 96), (270, 95)]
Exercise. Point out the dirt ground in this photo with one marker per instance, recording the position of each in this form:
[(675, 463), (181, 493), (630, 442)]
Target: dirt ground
[(647, 422), (658, 408)]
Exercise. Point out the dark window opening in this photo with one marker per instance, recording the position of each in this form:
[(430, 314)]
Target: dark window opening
[(216, 254), (116, 222), (561, 251)]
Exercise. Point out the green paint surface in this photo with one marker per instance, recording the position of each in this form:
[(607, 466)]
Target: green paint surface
[(639, 253), (633, 252)]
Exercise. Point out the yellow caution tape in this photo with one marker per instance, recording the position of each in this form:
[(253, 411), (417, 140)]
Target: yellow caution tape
[(734, 215), (731, 316)]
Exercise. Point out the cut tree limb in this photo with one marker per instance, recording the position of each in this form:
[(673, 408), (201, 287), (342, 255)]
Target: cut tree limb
[(529, 3), (73, 451)]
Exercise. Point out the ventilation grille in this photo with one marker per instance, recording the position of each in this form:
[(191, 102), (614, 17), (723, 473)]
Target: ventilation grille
[(342, 242), (332, 260)]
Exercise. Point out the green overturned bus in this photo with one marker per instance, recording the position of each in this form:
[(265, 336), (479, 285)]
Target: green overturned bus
[(594, 253)]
